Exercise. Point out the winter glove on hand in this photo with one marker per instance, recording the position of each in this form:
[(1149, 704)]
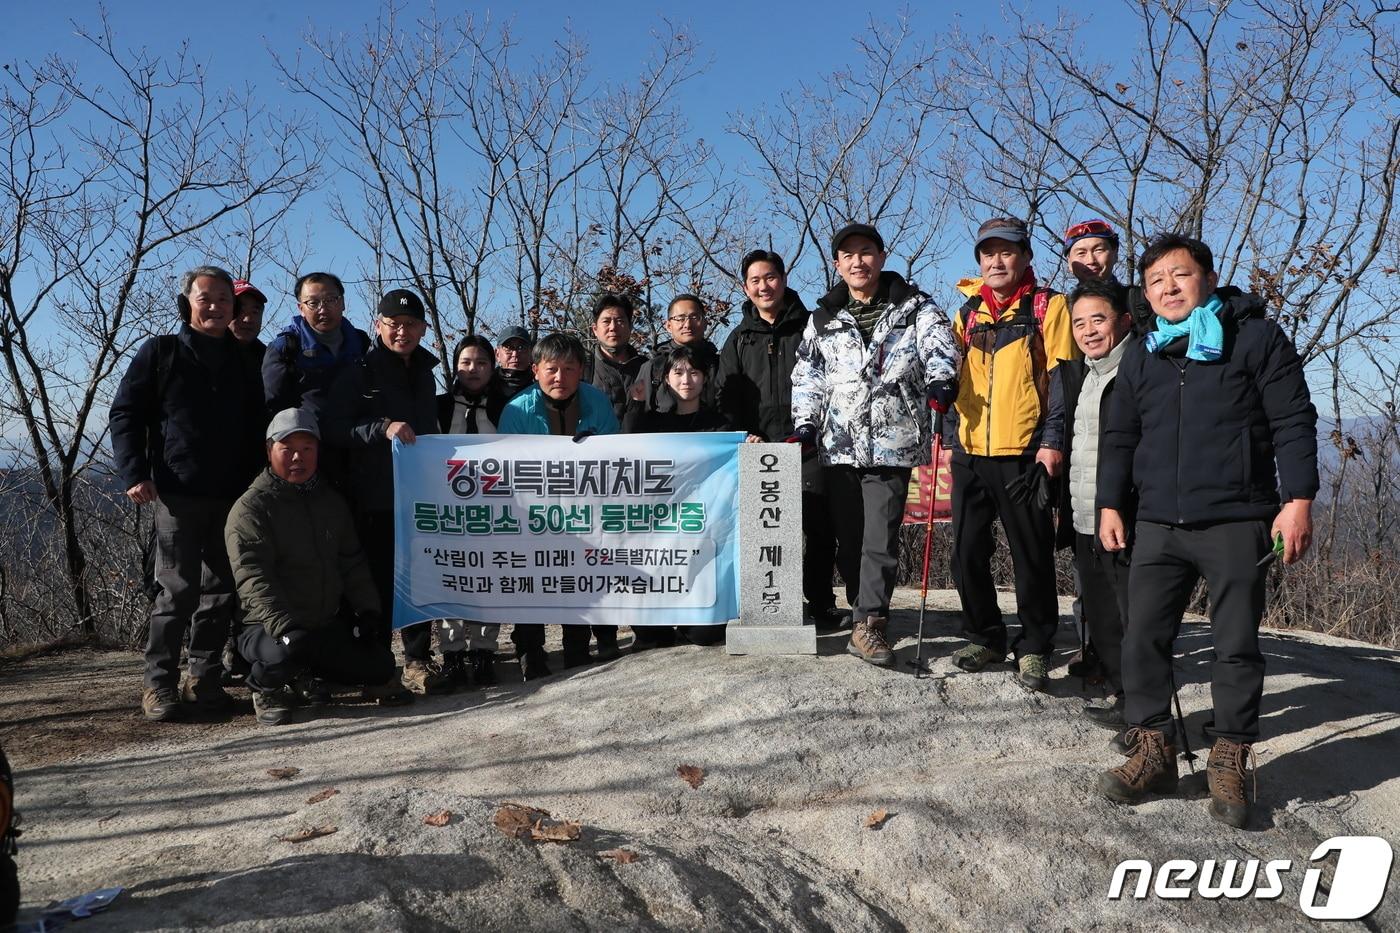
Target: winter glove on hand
[(297, 642), (806, 435), (941, 395), (1042, 487)]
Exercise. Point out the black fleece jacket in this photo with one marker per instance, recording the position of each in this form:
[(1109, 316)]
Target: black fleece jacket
[(1211, 442), (755, 369)]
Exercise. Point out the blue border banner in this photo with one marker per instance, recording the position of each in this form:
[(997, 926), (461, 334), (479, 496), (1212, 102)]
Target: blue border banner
[(615, 530)]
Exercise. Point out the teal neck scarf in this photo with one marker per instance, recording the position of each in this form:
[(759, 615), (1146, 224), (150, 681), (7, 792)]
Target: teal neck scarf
[(1205, 336)]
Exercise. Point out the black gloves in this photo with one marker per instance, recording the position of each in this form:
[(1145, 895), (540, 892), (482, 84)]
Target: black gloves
[(941, 395), (298, 643), (581, 436), (806, 435), (1033, 487)]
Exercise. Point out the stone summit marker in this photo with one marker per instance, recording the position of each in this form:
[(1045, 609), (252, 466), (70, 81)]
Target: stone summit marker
[(770, 554)]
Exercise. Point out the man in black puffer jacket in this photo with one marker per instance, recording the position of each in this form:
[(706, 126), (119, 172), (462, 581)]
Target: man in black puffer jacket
[(754, 386), (186, 426), (392, 394), (1211, 421)]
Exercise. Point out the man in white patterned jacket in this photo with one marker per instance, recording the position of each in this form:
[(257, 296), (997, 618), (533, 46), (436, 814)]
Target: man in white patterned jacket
[(877, 356)]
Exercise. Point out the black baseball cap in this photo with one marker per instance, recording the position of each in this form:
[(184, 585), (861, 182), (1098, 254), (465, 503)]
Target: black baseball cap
[(514, 332), (401, 301), (864, 230)]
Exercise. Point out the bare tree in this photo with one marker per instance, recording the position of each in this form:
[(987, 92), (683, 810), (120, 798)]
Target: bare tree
[(859, 145), (109, 177)]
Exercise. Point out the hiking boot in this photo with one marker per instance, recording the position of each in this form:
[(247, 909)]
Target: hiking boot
[(1150, 769), (1229, 764), (607, 646), (868, 642), (1119, 743), (454, 670), (160, 704), (422, 679), (389, 693), (973, 658), (1033, 670), (273, 707), (484, 667), (206, 693), (533, 664), (830, 619), (1110, 716), (311, 690)]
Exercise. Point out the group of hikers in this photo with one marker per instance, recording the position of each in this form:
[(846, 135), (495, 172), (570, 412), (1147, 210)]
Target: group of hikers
[(1162, 430)]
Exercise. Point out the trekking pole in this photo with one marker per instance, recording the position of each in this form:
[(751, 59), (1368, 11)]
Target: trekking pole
[(1186, 752), (920, 669)]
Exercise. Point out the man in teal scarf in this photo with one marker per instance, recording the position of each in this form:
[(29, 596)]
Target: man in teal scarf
[(1212, 425)]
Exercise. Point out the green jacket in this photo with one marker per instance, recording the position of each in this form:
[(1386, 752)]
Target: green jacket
[(295, 554)]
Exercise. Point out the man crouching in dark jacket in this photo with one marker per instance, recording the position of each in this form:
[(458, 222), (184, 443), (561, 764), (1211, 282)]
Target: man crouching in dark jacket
[(296, 558), (1212, 423)]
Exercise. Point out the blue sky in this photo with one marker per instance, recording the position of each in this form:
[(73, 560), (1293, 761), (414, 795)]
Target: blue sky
[(752, 51)]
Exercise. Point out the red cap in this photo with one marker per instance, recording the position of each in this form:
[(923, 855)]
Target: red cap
[(243, 286)]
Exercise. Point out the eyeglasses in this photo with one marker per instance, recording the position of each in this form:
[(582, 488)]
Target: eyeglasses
[(691, 319), (398, 327), (316, 304), (1095, 227)]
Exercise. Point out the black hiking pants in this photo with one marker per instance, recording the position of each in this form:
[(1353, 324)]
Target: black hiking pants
[(818, 552), (979, 498), (376, 531), (1103, 591), (335, 656), (1167, 562), (196, 589), (867, 510)]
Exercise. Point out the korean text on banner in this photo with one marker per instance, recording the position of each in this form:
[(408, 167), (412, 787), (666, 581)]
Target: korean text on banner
[(616, 530)]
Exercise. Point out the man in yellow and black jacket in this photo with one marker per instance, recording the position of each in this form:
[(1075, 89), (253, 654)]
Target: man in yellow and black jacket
[(1012, 332)]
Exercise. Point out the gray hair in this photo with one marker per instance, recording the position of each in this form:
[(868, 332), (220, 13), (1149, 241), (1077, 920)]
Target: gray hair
[(200, 272)]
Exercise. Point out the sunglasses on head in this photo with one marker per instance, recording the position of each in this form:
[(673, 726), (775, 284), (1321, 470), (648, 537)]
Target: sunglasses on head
[(1095, 227)]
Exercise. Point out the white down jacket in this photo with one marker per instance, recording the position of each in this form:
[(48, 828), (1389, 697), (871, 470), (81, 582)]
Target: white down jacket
[(869, 401)]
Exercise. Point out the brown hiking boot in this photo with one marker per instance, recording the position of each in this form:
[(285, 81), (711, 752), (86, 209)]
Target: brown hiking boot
[(207, 693), (422, 679), (160, 704), (1229, 764), (1150, 769), (868, 642)]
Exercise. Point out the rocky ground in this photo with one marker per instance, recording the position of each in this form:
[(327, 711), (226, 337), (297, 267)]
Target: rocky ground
[(989, 822)]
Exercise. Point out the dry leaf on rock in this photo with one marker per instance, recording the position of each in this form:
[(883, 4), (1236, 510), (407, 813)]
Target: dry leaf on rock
[(876, 820), (547, 830), (516, 819), (621, 856), (310, 832), (440, 818), (691, 774), (319, 796), (283, 774)]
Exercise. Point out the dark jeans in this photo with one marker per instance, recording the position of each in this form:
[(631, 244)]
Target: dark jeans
[(867, 509), (818, 552), (335, 656), (979, 498), (376, 531), (1167, 562), (1103, 591), (196, 588)]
